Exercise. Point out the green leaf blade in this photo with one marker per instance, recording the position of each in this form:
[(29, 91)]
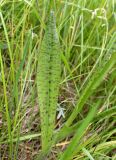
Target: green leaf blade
[(69, 152), (92, 85)]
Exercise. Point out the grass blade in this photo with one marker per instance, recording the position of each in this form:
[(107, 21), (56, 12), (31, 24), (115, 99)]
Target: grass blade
[(9, 47), (66, 131), (6, 104), (93, 84), (68, 154), (15, 89)]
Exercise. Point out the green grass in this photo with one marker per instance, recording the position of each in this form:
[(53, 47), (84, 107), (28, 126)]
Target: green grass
[(87, 87)]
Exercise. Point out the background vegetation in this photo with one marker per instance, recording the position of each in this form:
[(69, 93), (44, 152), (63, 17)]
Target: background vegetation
[(86, 110)]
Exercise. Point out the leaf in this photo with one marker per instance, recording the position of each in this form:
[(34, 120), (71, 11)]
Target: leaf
[(68, 153), (67, 131), (91, 86), (48, 78), (18, 73)]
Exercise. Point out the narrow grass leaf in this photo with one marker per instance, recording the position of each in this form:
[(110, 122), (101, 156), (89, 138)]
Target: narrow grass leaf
[(15, 89), (91, 86), (68, 153), (6, 104), (25, 51), (88, 154), (9, 47), (66, 131)]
